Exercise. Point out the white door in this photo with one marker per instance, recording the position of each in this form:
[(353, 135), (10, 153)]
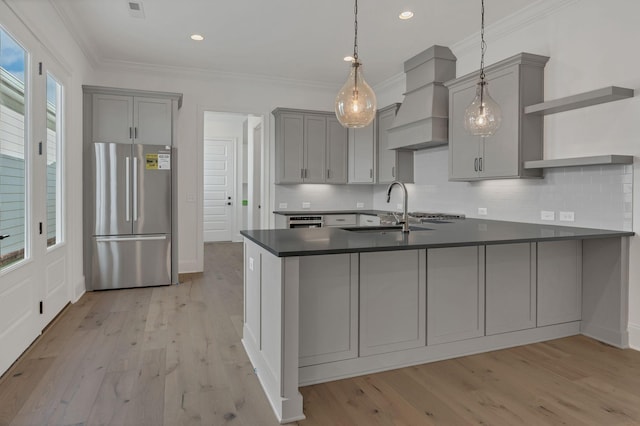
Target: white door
[(31, 275), (256, 181), (219, 189)]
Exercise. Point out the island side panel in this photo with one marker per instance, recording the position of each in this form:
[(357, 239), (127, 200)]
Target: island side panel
[(605, 292), (271, 287)]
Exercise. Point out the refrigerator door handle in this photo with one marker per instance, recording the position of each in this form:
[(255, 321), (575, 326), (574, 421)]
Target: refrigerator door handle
[(136, 238), (127, 173), (135, 189)]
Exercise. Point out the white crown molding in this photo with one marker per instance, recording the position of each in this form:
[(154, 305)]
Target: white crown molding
[(514, 22), (390, 82), (202, 73), (82, 45)]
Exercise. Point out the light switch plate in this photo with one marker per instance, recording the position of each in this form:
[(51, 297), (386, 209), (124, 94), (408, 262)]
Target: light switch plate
[(251, 263), (359, 205), (567, 216), (282, 205), (306, 205), (482, 211), (547, 215)]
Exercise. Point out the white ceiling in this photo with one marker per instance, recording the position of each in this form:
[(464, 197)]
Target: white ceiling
[(289, 39)]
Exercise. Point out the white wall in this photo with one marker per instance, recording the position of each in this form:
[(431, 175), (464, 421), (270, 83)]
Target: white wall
[(591, 44)]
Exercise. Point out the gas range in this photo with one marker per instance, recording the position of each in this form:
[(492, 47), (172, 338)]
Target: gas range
[(429, 216)]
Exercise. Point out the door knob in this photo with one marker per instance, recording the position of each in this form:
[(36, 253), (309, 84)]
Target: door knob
[(2, 237)]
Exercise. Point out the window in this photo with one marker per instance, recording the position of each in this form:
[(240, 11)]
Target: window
[(54, 169), (13, 154)]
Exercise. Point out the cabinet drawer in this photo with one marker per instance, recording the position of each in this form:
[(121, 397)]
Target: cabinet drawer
[(368, 220), (340, 220)]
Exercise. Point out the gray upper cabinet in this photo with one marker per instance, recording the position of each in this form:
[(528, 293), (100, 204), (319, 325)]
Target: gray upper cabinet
[(514, 83), (392, 164), (311, 147), (132, 119), (337, 152), (130, 116), (362, 154), (315, 148)]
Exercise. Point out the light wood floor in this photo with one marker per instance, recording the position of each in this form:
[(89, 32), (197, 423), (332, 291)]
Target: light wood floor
[(172, 356)]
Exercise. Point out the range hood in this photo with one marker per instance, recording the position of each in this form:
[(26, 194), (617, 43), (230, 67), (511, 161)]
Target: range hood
[(422, 120)]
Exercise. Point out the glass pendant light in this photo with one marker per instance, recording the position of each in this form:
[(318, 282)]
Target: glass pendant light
[(483, 116), (356, 103)]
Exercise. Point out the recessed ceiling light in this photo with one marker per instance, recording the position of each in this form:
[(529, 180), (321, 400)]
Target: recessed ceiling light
[(407, 14), (348, 58), (197, 37)]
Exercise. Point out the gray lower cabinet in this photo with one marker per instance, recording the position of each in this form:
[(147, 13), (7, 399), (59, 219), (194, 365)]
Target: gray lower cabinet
[(392, 164), (514, 83), (510, 285), (455, 294), (311, 147), (559, 272), (328, 308), (392, 301)]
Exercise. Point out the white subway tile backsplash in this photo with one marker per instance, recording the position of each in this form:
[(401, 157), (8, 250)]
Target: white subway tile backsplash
[(600, 196)]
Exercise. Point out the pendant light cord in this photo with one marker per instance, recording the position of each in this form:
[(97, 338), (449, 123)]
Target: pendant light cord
[(483, 45), (355, 26)]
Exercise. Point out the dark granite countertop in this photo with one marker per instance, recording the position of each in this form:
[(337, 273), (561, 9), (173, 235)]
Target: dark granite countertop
[(463, 232)]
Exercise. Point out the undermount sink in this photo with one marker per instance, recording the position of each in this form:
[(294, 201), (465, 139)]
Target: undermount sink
[(383, 229)]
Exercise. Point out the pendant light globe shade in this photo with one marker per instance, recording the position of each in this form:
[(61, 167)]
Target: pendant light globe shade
[(483, 116), (356, 102)]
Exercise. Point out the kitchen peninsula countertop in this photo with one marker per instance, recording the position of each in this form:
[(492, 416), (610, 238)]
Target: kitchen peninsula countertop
[(453, 233)]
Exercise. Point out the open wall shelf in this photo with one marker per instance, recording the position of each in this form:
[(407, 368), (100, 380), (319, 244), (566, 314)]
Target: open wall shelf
[(597, 160), (594, 97)]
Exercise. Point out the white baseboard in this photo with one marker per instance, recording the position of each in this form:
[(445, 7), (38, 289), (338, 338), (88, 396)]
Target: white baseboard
[(634, 336), (79, 289), (188, 267)]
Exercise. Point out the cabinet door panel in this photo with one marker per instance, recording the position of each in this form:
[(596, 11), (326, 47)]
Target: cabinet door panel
[(392, 301), (559, 282), (455, 294), (337, 151), (152, 121), (510, 287), (290, 148), (112, 118), (386, 157), (500, 156), (463, 147), (315, 141), (361, 145), (328, 308)]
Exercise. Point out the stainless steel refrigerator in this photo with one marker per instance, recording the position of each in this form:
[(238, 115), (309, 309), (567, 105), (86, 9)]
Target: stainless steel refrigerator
[(130, 216)]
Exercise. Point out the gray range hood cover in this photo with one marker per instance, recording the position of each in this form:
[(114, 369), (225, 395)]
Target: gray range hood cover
[(422, 120)]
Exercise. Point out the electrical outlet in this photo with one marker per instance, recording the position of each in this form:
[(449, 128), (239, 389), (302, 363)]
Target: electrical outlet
[(191, 197), (482, 211), (547, 215), (567, 216), (282, 205), (359, 205), (306, 205), (251, 263), (399, 206)]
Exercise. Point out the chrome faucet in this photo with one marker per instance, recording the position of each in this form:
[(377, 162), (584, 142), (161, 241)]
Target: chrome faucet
[(405, 215)]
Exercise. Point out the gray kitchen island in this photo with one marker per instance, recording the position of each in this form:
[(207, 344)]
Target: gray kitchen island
[(322, 304)]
